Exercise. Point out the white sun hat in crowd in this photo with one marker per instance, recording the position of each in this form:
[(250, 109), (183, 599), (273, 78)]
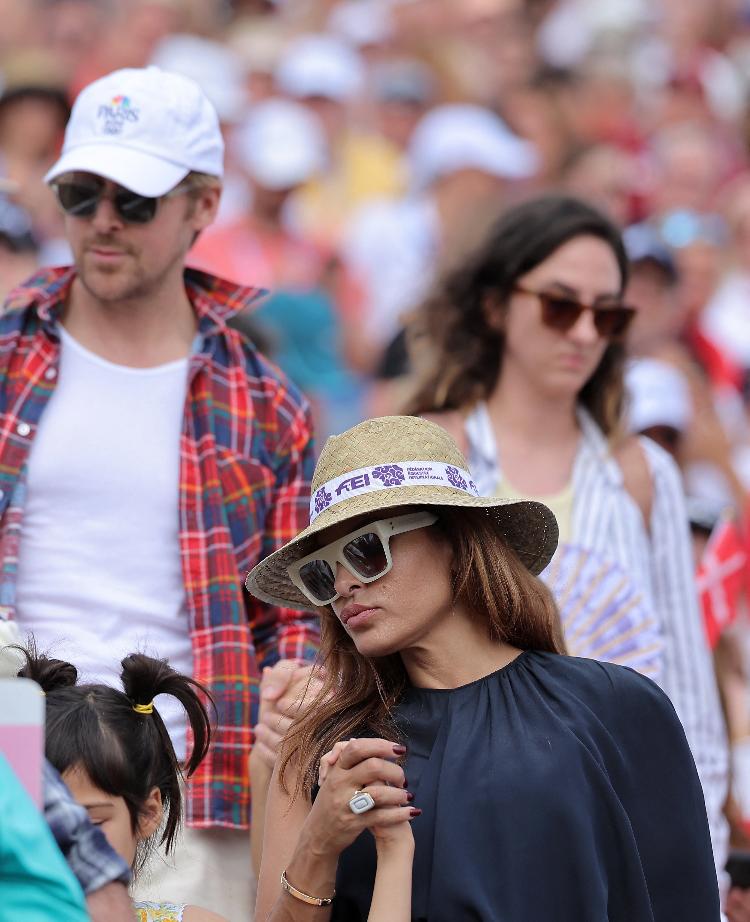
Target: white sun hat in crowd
[(144, 129), (217, 69), (461, 136), (320, 65), (361, 22), (658, 394), (282, 144)]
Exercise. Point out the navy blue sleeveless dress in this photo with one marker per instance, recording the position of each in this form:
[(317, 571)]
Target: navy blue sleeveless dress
[(554, 790)]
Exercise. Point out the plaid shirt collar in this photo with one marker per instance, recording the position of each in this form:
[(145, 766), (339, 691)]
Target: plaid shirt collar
[(214, 300)]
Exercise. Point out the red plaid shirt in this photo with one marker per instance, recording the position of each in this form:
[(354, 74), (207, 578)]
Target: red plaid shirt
[(245, 467)]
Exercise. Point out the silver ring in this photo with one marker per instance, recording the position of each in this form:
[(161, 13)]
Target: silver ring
[(361, 802)]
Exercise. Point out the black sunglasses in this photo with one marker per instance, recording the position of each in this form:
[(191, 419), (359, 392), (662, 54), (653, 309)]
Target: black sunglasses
[(561, 313), (80, 197)]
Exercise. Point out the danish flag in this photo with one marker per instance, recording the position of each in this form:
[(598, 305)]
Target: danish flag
[(721, 577)]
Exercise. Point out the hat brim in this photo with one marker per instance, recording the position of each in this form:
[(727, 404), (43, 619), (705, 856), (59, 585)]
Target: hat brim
[(530, 528), (130, 167)]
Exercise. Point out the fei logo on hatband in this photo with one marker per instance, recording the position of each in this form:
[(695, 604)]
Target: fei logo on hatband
[(116, 113)]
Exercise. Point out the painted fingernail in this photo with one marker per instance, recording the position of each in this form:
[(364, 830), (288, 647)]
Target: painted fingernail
[(415, 811), (409, 796), (399, 750), (406, 783)]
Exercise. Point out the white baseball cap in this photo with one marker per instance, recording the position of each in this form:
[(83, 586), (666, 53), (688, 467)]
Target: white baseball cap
[(320, 65), (460, 136), (281, 144), (658, 395), (144, 129)]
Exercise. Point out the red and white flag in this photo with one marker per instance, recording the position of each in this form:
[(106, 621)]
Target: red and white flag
[(721, 577)]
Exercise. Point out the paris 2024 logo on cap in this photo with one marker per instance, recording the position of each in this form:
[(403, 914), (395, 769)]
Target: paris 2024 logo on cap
[(117, 113)]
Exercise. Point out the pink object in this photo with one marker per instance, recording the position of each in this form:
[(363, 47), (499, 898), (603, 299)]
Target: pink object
[(22, 732)]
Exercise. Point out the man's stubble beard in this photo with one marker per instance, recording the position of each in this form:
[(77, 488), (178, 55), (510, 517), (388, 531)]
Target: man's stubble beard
[(133, 287)]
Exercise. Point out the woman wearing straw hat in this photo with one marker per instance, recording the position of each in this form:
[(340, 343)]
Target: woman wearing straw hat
[(540, 786)]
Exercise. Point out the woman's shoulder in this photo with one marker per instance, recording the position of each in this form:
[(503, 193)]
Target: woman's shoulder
[(604, 687)]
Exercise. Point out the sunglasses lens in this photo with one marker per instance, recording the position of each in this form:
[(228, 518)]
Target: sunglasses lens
[(559, 313), (78, 199), (366, 555), (317, 577), (137, 209), (614, 321)]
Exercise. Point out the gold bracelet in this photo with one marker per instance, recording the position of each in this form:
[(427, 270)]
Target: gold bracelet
[(305, 897)]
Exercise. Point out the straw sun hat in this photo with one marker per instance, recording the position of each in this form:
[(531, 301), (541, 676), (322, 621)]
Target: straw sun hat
[(397, 461)]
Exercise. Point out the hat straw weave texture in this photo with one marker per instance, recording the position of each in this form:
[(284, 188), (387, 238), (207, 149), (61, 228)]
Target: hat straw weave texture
[(530, 528)]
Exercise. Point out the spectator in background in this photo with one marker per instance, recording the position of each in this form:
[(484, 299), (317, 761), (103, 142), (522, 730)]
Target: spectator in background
[(259, 44), (311, 319), (652, 288), (402, 90), (689, 162), (726, 318), (18, 247), (667, 327), (604, 175), (33, 113), (658, 404), (328, 76), (463, 160)]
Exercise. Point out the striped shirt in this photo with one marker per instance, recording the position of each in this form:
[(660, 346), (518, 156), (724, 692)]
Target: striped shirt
[(659, 561), (246, 461)]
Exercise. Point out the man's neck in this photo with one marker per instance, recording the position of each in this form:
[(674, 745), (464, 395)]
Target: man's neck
[(140, 332)]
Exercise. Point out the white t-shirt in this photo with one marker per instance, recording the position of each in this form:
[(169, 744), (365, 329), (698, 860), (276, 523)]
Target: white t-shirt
[(99, 573)]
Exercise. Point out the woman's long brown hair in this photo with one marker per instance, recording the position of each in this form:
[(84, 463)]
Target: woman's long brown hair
[(359, 693), (458, 353)]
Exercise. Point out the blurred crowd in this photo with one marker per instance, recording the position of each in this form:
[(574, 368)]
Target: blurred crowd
[(371, 142)]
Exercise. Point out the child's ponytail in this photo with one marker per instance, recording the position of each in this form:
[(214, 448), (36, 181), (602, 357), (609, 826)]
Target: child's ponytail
[(49, 674), (143, 678)]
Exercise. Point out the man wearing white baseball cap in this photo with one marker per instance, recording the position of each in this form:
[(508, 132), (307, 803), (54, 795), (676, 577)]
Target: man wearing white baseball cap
[(148, 454), (312, 318)]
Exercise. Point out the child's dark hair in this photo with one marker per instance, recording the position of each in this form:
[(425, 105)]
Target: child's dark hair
[(124, 752)]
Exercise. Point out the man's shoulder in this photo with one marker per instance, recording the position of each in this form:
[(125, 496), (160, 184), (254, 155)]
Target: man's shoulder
[(28, 299)]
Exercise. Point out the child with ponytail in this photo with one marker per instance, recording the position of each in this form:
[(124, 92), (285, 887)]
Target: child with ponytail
[(115, 755)]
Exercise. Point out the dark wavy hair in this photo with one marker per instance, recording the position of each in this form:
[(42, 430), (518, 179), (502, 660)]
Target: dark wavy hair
[(126, 754), (464, 353)]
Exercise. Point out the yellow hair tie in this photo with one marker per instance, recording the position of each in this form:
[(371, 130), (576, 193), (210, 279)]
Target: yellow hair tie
[(144, 708)]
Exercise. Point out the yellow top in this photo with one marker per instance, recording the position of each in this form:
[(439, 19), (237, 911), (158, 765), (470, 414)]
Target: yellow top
[(367, 167), (560, 503)]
